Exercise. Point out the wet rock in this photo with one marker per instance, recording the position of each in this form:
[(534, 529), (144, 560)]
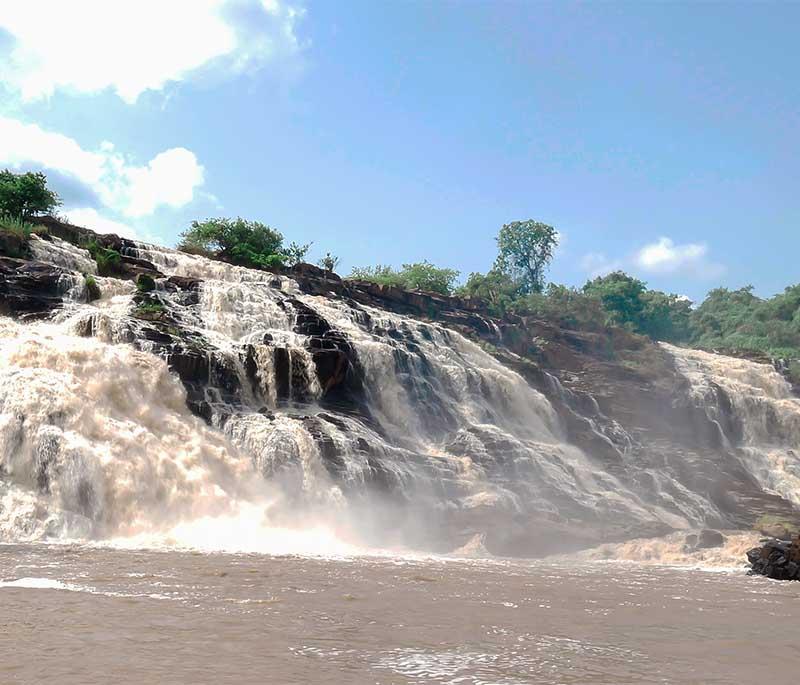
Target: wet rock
[(30, 289), (707, 539), (777, 559)]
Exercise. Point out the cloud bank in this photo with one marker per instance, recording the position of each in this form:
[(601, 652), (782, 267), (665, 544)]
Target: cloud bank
[(88, 46), (170, 179)]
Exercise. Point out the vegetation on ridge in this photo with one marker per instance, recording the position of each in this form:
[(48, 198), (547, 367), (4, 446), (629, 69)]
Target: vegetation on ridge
[(727, 320), (422, 276), (242, 242)]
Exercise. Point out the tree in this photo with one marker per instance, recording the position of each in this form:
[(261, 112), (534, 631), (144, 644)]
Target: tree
[(425, 276), (295, 253), (496, 288), (329, 262), (627, 302), (239, 241), (25, 196), (665, 316), (621, 296), (525, 249)]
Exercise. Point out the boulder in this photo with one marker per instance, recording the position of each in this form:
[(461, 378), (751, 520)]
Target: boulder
[(777, 559), (30, 289), (708, 539)]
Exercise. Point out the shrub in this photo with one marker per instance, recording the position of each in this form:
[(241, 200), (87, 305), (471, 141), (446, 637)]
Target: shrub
[(145, 283), (149, 308), (418, 276), (329, 262), (242, 242), (108, 261)]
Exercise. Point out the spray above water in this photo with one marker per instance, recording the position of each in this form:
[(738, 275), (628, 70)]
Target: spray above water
[(97, 442)]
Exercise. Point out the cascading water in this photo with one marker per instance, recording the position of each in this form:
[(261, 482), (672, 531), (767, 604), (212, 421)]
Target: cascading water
[(767, 415), (390, 430)]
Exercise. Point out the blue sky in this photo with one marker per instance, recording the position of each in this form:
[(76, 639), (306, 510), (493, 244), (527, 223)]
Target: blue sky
[(661, 138)]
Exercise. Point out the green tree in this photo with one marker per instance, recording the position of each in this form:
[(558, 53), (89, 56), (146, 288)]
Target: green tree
[(25, 196), (329, 262), (425, 276), (295, 253), (621, 296), (495, 288), (665, 316), (525, 249), (239, 241)]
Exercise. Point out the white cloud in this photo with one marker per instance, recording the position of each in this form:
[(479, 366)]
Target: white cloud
[(660, 257), (89, 217), (169, 179), (664, 256), (87, 46)]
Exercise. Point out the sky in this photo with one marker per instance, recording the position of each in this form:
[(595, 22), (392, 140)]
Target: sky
[(658, 138)]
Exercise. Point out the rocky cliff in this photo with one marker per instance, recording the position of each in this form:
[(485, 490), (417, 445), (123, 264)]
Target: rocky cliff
[(417, 400)]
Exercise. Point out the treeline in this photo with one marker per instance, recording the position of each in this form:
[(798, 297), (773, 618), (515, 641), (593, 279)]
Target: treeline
[(726, 320)]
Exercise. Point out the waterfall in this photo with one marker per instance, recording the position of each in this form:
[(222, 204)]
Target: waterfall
[(319, 413), (759, 401)]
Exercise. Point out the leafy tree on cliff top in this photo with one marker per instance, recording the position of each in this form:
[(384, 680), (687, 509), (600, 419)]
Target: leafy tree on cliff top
[(24, 196), (627, 302), (495, 288), (239, 241), (621, 296), (525, 250)]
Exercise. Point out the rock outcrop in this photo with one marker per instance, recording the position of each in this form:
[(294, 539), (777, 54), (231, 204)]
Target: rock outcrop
[(29, 289), (777, 559)]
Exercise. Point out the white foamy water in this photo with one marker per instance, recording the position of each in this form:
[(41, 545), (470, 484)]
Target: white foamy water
[(764, 406)]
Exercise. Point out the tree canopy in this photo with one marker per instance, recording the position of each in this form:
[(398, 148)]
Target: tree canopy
[(26, 195), (525, 250)]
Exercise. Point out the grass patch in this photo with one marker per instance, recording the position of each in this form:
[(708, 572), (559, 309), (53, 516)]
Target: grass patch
[(149, 308), (92, 289), (19, 227), (108, 261), (777, 526)]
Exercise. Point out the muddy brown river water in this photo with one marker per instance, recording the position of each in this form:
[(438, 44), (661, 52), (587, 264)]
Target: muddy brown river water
[(81, 615)]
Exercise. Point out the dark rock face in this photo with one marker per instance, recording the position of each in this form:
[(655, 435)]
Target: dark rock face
[(338, 370), (705, 539), (13, 245), (777, 559), (29, 289)]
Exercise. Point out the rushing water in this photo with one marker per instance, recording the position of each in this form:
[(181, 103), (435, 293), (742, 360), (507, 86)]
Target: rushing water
[(77, 615)]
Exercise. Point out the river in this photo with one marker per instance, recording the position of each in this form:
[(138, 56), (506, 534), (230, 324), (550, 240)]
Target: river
[(78, 614)]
